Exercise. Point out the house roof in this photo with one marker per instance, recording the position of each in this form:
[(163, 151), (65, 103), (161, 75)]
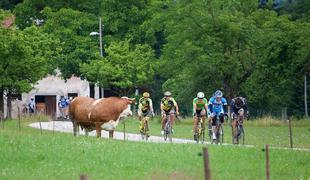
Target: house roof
[(8, 21)]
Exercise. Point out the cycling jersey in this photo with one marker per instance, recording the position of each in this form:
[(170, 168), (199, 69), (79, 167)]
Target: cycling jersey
[(145, 104), (216, 107), (168, 104), (200, 103), (234, 108), (63, 102)]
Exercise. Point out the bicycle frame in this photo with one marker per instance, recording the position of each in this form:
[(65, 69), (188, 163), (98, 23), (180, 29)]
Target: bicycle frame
[(238, 131), (168, 129), (219, 132), (200, 130), (145, 128)]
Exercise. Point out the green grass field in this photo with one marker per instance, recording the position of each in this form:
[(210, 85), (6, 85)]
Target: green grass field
[(258, 132), (26, 154)]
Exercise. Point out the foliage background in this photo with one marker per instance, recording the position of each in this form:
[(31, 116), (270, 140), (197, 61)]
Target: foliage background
[(259, 51)]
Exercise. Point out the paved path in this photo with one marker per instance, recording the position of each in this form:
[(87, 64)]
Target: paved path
[(65, 126)]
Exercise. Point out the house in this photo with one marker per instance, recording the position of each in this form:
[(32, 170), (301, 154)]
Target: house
[(48, 91)]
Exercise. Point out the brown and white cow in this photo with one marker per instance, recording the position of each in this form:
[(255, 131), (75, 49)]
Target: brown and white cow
[(106, 113), (79, 109), (99, 114)]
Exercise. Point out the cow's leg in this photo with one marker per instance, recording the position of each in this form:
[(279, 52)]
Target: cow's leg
[(98, 130), (75, 127), (111, 134)]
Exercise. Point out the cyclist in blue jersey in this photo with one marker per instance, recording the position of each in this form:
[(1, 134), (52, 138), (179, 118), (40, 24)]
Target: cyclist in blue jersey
[(216, 108), (63, 105)]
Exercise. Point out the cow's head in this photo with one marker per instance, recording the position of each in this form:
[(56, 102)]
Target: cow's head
[(129, 100), (127, 112)]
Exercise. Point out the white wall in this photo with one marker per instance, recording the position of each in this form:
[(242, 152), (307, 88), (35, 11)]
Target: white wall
[(51, 85)]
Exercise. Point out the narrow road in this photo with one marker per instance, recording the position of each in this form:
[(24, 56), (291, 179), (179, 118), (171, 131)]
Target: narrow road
[(65, 126)]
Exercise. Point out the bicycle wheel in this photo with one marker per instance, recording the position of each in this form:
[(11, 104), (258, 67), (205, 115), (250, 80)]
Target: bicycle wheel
[(170, 132), (210, 132), (241, 134), (202, 135), (198, 132), (222, 134), (146, 130)]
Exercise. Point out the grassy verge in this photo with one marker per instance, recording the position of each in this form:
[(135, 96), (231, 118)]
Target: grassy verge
[(25, 154), (258, 132)]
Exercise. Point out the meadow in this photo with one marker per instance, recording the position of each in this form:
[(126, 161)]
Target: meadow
[(259, 132), (26, 154)]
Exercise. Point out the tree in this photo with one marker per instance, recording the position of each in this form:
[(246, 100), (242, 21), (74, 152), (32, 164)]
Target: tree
[(25, 57), (30, 10), (123, 68), (72, 29)]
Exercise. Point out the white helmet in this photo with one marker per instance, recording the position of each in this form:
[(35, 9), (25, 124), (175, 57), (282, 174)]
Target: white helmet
[(167, 93), (200, 95)]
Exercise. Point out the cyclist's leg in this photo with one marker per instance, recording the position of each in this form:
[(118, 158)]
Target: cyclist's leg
[(172, 117), (221, 116), (163, 121), (241, 115), (213, 119), (203, 117), (195, 123)]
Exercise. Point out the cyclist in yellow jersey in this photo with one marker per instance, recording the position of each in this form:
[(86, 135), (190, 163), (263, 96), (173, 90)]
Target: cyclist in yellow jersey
[(168, 107), (200, 107), (145, 107)]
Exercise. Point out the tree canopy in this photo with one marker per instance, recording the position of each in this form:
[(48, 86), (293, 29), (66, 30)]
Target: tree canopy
[(239, 47)]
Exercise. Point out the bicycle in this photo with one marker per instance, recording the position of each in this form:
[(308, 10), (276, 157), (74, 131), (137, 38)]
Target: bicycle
[(168, 129), (238, 131), (219, 131), (144, 131), (200, 133)]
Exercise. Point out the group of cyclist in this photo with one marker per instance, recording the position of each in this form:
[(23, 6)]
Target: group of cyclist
[(214, 108)]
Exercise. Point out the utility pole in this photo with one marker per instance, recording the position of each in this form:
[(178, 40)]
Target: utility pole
[(306, 106), (100, 37)]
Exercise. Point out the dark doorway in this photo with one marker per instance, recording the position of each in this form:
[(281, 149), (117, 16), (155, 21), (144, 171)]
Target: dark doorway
[(46, 105), (92, 90), (73, 95)]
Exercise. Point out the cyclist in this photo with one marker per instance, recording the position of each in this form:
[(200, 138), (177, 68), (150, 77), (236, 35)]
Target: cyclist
[(216, 107), (238, 108), (145, 108), (168, 107), (200, 107), (63, 105)]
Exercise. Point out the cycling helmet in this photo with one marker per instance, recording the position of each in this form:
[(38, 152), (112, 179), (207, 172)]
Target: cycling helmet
[(167, 93), (200, 95), (238, 102), (218, 93), (146, 95)]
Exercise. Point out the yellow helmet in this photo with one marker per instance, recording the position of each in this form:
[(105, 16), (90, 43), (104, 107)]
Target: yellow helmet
[(146, 95)]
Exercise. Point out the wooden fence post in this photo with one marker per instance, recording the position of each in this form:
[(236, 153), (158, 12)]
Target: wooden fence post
[(267, 162), (290, 129), (83, 177), (19, 127), (206, 164), (124, 130), (40, 124), (2, 119)]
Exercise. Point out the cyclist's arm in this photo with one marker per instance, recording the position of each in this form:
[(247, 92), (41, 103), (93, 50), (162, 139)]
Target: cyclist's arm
[(224, 105), (194, 107), (176, 106), (151, 106)]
